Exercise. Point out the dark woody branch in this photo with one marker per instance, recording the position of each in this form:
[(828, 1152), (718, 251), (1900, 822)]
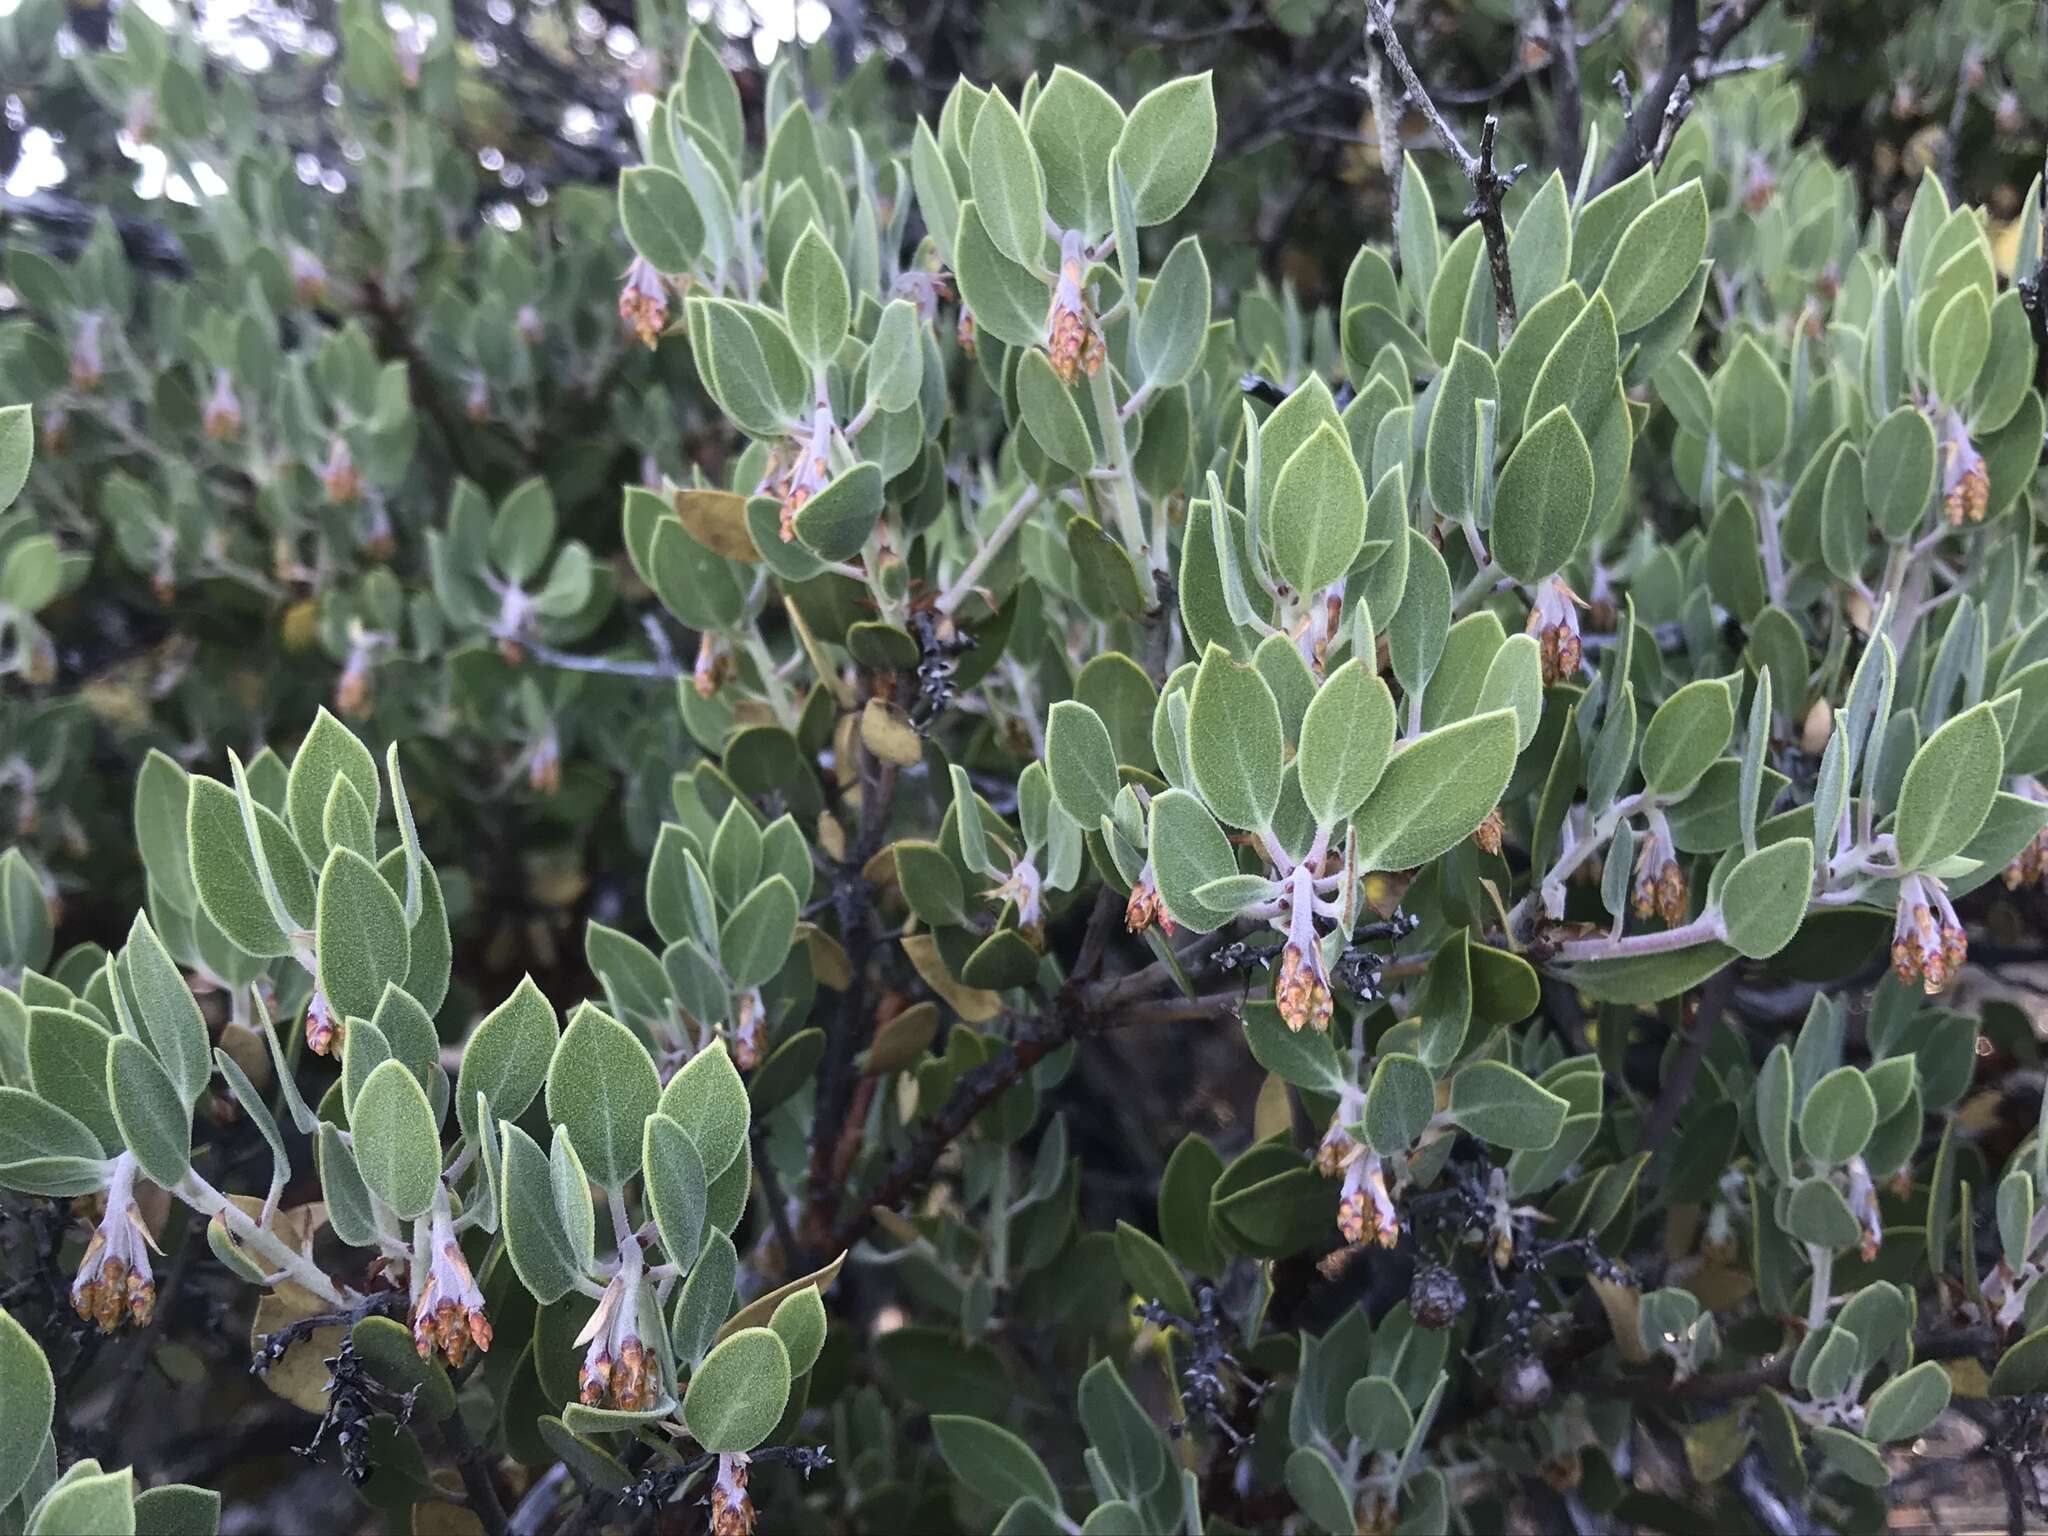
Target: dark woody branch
[(1691, 52), (1078, 1010)]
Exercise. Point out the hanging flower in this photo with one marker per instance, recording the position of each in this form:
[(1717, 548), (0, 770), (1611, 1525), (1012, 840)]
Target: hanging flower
[(1928, 942), (323, 1032), (1026, 887), (1146, 906), (338, 477), (448, 1313), (1554, 621), (1302, 990), (796, 472), (1319, 626), (747, 1030), (2006, 116), (223, 417), (964, 333), (732, 1511), (115, 1283), (2030, 865), (86, 366), (1660, 884), (352, 688), (1073, 340), (618, 1369), (1365, 1211), (1489, 831), (643, 302), (924, 289), (309, 278), (544, 763), (1965, 485), (714, 665), (1863, 1206)]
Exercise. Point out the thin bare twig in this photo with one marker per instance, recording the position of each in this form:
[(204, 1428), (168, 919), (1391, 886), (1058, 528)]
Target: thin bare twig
[(1489, 183), (664, 667), (1386, 129)]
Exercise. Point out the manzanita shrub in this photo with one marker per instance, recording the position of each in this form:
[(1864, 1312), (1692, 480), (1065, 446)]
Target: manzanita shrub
[(1553, 723)]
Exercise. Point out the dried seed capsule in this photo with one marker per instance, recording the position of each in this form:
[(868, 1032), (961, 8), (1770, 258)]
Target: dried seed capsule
[(1436, 1296)]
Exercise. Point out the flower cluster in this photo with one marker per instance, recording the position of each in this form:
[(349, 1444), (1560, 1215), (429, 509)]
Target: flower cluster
[(1145, 907), (115, 1283), (323, 1031), (732, 1510), (1554, 621), (643, 302), (618, 1369), (1302, 990), (1965, 484), (1660, 883), (1928, 942), (448, 1312), (1365, 1208), (1073, 339), (2030, 865)]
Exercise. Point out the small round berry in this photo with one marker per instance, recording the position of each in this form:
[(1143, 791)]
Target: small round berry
[(1524, 1385)]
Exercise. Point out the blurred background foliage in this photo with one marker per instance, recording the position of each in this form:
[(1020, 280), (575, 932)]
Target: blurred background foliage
[(419, 205)]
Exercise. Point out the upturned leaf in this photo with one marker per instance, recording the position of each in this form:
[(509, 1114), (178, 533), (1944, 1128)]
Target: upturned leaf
[(1685, 737), (1838, 1116), (660, 217), (1544, 500), (28, 1393), (709, 1101), (676, 1187), (1752, 408), (1347, 735), (168, 1013), (1009, 187), (815, 300), (1317, 515), (602, 1086), (506, 1057), (1907, 1404), (360, 930), (737, 1393), (1506, 1108), (397, 1145), (1398, 1104), (155, 1121), (536, 1240), (1764, 899), (1436, 789), (1166, 146), (1898, 472), (1080, 762), (1235, 745), (1949, 788), (992, 1461), (1656, 257)]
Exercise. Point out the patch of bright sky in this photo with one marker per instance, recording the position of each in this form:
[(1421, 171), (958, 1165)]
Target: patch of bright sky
[(250, 34)]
